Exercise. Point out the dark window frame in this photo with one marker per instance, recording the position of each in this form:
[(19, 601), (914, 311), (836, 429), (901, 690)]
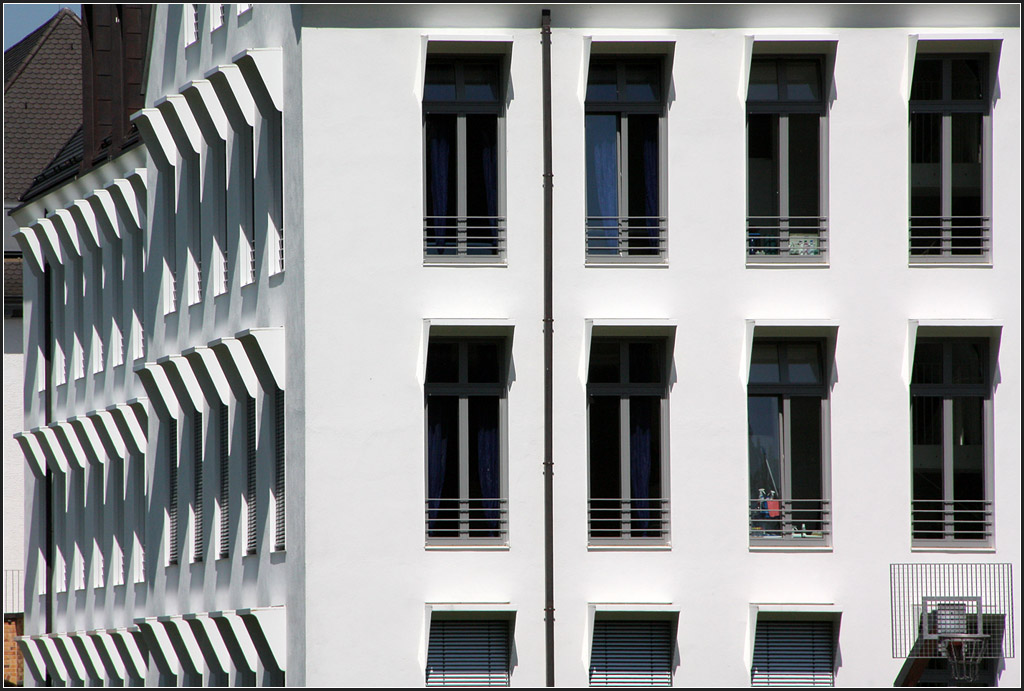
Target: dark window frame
[(465, 238), (626, 237), (788, 527), (949, 238), (781, 237)]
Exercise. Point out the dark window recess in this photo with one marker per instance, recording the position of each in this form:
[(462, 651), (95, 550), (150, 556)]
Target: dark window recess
[(462, 113), (624, 114)]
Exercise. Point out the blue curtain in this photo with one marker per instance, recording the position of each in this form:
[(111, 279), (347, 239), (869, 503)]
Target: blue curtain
[(640, 466), (439, 150), (437, 459), (602, 183), (482, 182), (488, 467)]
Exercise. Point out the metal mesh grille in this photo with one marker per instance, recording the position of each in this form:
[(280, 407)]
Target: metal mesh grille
[(279, 503), (933, 600), (250, 475), (793, 653), (631, 653), (468, 653), (197, 477), (172, 501), (225, 484)]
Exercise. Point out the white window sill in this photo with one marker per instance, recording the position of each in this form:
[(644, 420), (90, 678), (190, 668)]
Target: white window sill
[(630, 547), (466, 548)]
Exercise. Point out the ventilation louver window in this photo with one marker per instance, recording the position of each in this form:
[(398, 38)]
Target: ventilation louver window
[(793, 653), (631, 653), (250, 475), (279, 504), (468, 653), (225, 484), (197, 485), (172, 500)]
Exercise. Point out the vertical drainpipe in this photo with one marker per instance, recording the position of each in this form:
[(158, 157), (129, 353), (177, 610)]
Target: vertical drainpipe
[(549, 547)]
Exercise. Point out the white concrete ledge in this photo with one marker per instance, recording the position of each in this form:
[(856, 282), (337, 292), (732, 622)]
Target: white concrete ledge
[(233, 94)]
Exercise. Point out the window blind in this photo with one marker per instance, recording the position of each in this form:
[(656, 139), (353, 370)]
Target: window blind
[(225, 485), (197, 478), (279, 504), (631, 653), (172, 501), (250, 475), (468, 653), (793, 653)]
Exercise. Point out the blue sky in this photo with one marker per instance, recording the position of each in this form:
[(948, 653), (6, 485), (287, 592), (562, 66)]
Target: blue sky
[(20, 20)]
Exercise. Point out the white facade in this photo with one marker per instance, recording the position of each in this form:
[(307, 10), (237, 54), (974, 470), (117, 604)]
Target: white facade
[(345, 312)]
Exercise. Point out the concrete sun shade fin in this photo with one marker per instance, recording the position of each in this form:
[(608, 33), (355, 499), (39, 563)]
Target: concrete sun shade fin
[(235, 98), (158, 386), (67, 231), (207, 110), (210, 642), (55, 455), (156, 135), (130, 420), (184, 644), (237, 640), (33, 658), (89, 655), (267, 628), (34, 455), (209, 374), (265, 348), (108, 655), (30, 246), (159, 644), (132, 648), (181, 123), (46, 233), (68, 437), (263, 70), (105, 211), (183, 382)]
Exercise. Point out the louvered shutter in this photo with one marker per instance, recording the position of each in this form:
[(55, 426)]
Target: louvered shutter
[(197, 480), (793, 653), (468, 653), (250, 475), (225, 484), (279, 469), (172, 500), (631, 653)]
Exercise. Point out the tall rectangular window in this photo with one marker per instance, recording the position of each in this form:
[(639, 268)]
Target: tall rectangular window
[(949, 153), (250, 476), (197, 487), (787, 421), (466, 414), (279, 470), (627, 415), (172, 492), (625, 173), (224, 499), (787, 138), (951, 418), (463, 140)]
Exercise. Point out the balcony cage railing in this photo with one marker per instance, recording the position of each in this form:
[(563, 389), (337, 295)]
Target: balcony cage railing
[(772, 239), (462, 238), (935, 519), (627, 238), (796, 519), (466, 520), (949, 239), (628, 519), (14, 594)]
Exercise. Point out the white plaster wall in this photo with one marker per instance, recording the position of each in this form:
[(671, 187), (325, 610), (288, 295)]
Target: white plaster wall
[(365, 450)]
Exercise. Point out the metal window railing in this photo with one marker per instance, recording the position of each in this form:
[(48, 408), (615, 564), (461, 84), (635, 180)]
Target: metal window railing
[(628, 519), (14, 594), (772, 239), (949, 239), (626, 238), (466, 520), (796, 519), (935, 519), (464, 238)]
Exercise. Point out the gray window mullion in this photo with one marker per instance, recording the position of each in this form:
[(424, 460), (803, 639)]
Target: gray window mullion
[(784, 183), (786, 437), (462, 205), (624, 463), (623, 222), (947, 182), (947, 468)]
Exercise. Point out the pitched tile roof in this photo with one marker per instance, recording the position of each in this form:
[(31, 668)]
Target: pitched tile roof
[(42, 98)]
